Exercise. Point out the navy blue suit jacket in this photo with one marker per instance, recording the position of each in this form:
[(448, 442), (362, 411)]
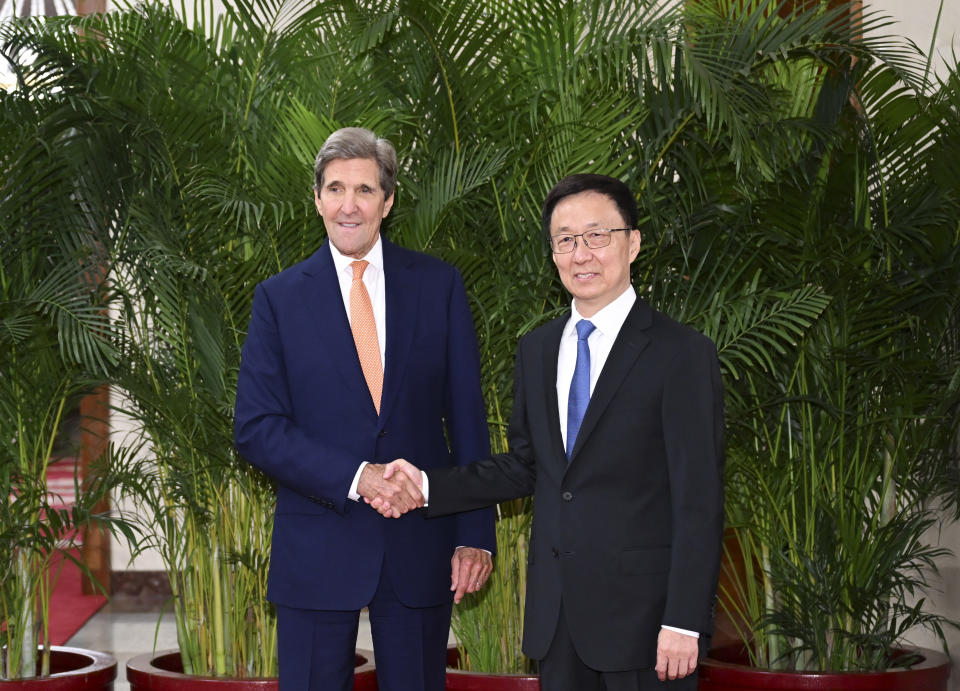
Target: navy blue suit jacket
[(305, 417)]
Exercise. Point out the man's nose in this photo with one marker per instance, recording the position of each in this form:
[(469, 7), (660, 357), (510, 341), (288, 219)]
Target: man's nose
[(581, 252), (349, 202)]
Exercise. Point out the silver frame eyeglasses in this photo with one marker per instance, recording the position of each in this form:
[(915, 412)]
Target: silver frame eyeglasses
[(592, 239)]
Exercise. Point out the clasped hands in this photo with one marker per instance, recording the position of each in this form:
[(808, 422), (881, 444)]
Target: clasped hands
[(395, 488), (392, 488)]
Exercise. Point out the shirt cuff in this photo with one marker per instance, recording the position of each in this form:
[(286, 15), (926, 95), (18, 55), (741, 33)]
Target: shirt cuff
[(685, 632), (352, 494)]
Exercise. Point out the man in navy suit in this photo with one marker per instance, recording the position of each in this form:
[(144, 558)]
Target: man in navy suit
[(358, 355), (616, 430)]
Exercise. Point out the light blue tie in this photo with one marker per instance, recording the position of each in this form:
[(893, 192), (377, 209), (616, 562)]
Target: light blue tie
[(580, 385)]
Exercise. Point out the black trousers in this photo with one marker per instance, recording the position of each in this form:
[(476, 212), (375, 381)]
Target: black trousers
[(563, 670)]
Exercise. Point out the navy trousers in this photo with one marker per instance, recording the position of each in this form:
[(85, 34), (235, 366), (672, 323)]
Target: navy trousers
[(316, 647)]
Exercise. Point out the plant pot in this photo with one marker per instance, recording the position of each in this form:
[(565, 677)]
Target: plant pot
[(71, 669), (727, 669), (162, 671), (460, 680)]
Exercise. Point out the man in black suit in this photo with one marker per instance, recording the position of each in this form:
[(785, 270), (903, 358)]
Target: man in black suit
[(617, 432)]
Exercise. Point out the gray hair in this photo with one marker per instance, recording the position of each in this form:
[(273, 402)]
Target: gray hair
[(358, 142)]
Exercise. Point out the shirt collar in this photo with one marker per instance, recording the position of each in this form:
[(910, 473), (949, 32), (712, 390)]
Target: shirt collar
[(375, 256), (609, 319)]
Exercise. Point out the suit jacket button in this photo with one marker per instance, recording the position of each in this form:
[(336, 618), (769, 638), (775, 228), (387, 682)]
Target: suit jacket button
[(382, 434), (567, 496), (555, 552)]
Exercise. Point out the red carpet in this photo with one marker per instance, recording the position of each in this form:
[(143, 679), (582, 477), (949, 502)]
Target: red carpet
[(69, 607)]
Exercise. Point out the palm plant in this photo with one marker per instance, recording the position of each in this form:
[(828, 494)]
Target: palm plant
[(209, 213), (842, 447), (210, 137), (726, 107), (56, 342), (689, 104)]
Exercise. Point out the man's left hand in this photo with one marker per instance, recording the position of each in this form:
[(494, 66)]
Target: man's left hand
[(471, 567), (677, 654)]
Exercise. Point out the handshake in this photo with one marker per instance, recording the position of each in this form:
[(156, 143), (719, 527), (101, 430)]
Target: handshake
[(392, 488), (397, 487)]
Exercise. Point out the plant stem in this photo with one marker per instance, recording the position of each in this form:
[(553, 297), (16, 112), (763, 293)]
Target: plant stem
[(220, 665), (773, 640), (28, 642)]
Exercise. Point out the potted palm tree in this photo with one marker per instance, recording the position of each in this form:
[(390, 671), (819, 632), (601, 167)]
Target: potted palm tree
[(839, 450), (205, 208), (55, 343), (186, 271)]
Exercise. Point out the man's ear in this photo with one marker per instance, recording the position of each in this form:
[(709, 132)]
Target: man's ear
[(316, 201), (635, 241), (388, 204)]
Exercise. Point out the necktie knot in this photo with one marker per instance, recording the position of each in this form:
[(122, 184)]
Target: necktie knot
[(359, 267), (585, 327)]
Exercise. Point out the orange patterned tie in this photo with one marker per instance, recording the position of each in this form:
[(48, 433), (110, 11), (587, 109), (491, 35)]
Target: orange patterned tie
[(365, 333)]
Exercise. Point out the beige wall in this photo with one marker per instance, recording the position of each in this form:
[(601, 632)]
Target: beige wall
[(124, 432), (943, 596), (916, 19)]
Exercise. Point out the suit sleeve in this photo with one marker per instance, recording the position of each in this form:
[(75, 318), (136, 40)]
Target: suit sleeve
[(693, 434), (492, 480), (465, 413), (265, 432)]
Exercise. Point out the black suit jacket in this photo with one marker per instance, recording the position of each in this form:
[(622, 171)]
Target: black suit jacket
[(628, 533)]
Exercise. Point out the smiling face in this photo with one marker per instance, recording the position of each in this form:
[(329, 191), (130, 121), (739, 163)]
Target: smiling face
[(352, 204), (595, 277)]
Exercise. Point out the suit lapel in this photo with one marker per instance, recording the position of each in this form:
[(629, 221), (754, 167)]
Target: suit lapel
[(331, 328), (550, 352), (631, 341), (402, 302)]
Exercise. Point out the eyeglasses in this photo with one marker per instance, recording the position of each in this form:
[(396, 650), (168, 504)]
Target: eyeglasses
[(592, 239)]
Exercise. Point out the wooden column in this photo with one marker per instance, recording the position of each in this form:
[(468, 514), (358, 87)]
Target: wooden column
[(94, 438), (91, 6)]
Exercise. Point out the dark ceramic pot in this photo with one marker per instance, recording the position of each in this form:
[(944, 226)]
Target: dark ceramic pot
[(163, 672), (71, 669), (727, 669)]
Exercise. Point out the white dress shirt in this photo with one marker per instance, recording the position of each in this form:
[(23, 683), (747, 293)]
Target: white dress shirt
[(375, 282), (607, 322)]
